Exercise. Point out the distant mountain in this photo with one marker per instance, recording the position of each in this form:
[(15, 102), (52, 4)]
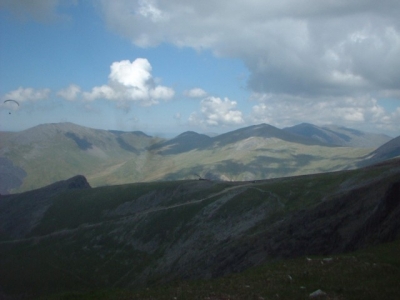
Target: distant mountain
[(11, 176), (339, 136), (190, 140), (83, 137), (45, 153), (184, 142), (263, 131), (40, 155), (387, 151)]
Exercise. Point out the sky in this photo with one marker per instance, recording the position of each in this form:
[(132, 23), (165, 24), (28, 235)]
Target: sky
[(210, 66)]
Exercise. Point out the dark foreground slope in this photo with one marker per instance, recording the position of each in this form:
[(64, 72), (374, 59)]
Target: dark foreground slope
[(20, 213), (137, 235), (364, 275)]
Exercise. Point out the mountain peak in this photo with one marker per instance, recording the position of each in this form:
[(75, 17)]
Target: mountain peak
[(74, 183), (186, 141), (264, 131), (189, 133)]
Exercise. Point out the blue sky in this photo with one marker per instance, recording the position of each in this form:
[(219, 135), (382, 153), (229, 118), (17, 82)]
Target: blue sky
[(165, 67)]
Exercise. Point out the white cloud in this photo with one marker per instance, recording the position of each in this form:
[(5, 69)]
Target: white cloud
[(102, 92), (390, 122), (148, 9), (27, 94), (309, 60), (131, 82), (215, 112), (195, 93), (308, 47), (162, 92), (70, 93)]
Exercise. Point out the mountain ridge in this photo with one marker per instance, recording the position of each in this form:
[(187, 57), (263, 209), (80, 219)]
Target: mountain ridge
[(339, 135), (389, 150), (265, 131), (39, 155), (186, 141), (191, 140)]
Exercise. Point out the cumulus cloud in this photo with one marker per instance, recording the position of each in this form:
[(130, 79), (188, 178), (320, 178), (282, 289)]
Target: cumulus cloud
[(131, 82), (195, 93), (27, 94), (70, 93), (308, 47), (216, 111), (43, 10)]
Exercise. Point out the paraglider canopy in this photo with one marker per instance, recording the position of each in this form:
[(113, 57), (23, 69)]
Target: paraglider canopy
[(12, 102)]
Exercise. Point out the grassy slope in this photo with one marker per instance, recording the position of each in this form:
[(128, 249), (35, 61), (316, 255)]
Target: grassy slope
[(253, 158), (59, 151), (258, 158), (59, 160), (368, 274), (85, 242)]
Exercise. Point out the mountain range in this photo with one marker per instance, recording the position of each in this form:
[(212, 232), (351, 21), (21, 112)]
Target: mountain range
[(339, 136), (46, 153)]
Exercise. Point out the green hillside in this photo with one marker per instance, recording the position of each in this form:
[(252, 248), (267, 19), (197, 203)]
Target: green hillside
[(145, 240), (52, 152), (368, 274), (41, 155)]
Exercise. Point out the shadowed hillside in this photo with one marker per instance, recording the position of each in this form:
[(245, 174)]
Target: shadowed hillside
[(389, 150), (137, 235)]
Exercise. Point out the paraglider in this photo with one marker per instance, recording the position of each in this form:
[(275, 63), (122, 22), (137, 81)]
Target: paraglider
[(12, 101)]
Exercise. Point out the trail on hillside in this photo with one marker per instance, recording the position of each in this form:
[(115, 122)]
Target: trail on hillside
[(224, 191), (124, 219)]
